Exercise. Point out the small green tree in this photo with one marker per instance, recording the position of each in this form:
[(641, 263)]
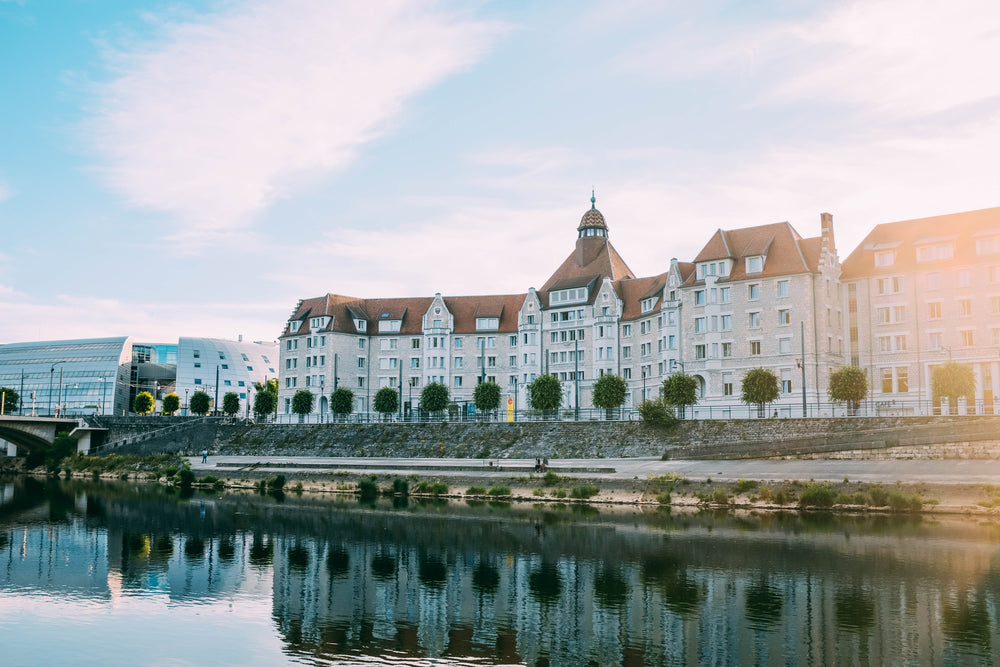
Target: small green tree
[(486, 396), (11, 400), (200, 403), (680, 390), (434, 397), (143, 403), (951, 380), (760, 387), (386, 401), (231, 403), (264, 403), (171, 404), (848, 384), (342, 401), (302, 402), (545, 393), (609, 393)]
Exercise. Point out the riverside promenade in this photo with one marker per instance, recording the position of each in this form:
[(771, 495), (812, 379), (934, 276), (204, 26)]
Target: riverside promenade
[(941, 471)]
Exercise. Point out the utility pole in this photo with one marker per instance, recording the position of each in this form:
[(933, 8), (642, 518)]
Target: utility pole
[(802, 335), (576, 379)]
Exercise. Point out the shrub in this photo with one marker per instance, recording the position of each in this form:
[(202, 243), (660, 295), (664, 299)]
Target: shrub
[(720, 497), (766, 494), (168, 471), (368, 488), (400, 487), (209, 479), (538, 492), (663, 499), (550, 479), (499, 491), (783, 497), (439, 488), (843, 499), (816, 495), (559, 493), (877, 496), (584, 492), (744, 485), (186, 476), (475, 491), (900, 502), (657, 413), (277, 483)]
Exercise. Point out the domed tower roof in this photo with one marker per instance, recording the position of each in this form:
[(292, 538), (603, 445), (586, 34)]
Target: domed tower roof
[(592, 220)]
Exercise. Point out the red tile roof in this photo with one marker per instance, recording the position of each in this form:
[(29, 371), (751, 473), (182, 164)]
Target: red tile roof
[(785, 250), (905, 236), (593, 259), (632, 292)]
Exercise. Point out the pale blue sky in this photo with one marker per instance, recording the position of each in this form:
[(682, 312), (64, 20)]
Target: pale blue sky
[(194, 168)]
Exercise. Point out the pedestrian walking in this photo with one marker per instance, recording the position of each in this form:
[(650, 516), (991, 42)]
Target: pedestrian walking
[(204, 456)]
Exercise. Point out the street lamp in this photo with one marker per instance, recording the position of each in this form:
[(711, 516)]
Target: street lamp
[(51, 374), (644, 383), (186, 411)]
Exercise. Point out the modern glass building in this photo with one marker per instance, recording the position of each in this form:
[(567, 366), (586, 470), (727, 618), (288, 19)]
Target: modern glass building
[(217, 367), (69, 377)]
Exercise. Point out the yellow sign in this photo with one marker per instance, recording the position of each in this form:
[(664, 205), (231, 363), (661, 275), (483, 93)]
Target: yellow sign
[(510, 409)]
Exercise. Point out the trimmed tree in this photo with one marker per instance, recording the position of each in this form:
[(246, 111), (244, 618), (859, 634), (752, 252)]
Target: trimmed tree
[(231, 403), (951, 380), (11, 400), (680, 390), (434, 397), (609, 393), (848, 384), (200, 403), (486, 396), (760, 387), (171, 404), (264, 402), (302, 402), (545, 393), (386, 401), (143, 403), (342, 401)]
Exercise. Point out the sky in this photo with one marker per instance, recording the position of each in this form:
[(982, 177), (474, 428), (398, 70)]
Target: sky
[(194, 168)]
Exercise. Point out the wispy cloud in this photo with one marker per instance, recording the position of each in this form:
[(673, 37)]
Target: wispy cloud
[(231, 112)]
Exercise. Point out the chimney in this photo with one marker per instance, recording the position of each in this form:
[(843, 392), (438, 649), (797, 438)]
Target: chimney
[(826, 224)]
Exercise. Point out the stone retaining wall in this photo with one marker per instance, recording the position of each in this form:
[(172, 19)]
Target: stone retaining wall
[(705, 439)]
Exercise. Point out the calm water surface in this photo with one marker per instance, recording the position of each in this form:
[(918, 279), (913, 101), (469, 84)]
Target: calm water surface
[(122, 574)]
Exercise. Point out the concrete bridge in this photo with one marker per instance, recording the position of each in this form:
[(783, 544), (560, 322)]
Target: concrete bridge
[(40, 432)]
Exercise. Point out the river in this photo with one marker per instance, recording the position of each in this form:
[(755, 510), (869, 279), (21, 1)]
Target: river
[(124, 574)]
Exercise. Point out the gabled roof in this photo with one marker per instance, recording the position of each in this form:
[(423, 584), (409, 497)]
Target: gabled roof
[(593, 259), (905, 236), (785, 251), (633, 291)]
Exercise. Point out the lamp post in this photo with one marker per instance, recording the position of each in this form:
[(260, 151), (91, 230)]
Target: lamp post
[(322, 410), (185, 411), (643, 383), (576, 380), (802, 335), (52, 371)]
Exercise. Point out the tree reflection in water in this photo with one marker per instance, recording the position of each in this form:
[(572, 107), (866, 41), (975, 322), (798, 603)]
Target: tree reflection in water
[(680, 594), (855, 608), (383, 567), (610, 588), (965, 618), (763, 603), (485, 577), (431, 571), (545, 583), (338, 562), (194, 549), (226, 549), (261, 550)]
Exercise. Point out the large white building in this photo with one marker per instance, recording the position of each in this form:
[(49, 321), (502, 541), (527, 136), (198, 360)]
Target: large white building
[(762, 296)]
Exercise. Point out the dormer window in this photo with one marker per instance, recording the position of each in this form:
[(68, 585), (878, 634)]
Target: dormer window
[(293, 327), (361, 325), (574, 295), (389, 326), (755, 264), (317, 323), (885, 258), (647, 304), (935, 251), (487, 323)]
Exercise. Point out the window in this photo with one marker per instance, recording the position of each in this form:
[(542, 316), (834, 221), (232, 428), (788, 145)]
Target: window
[(964, 278), (900, 341), (727, 384), (782, 288), (361, 383), (699, 297), (414, 362), (755, 348), (753, 320), (415, 343), (965, 307), (606, 311), (487, 323), (458, 380), (197, 380), (512, 361), (513, 340), (755, 264), (933, 281), (902, 379), (458, 342), (891, 285), (931, 252), (626, 330), (899, 313), (995, 304), (967, 337), (389, 326), (647, 304), (699, 351), (197, 364), (459, 362), (361, 362), (935, 310), (784, 346), (197, 354), (934, 340), (753, 291), (671, 342), (573, 295), (627, 352), (727, 349), (884, 343), (784, 317), (886, 380), (361, 343), (389, 344), (699, 325), (885, 257), (723, 295), (727, 322), (995, 274)]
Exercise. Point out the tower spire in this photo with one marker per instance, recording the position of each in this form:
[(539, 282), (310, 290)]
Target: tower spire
[(593, 200)]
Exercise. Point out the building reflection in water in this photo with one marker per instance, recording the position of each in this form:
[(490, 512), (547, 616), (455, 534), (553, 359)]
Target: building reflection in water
[(537, 586)]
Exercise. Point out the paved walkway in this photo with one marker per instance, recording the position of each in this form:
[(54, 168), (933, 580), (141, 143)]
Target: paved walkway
[(950, 471)]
